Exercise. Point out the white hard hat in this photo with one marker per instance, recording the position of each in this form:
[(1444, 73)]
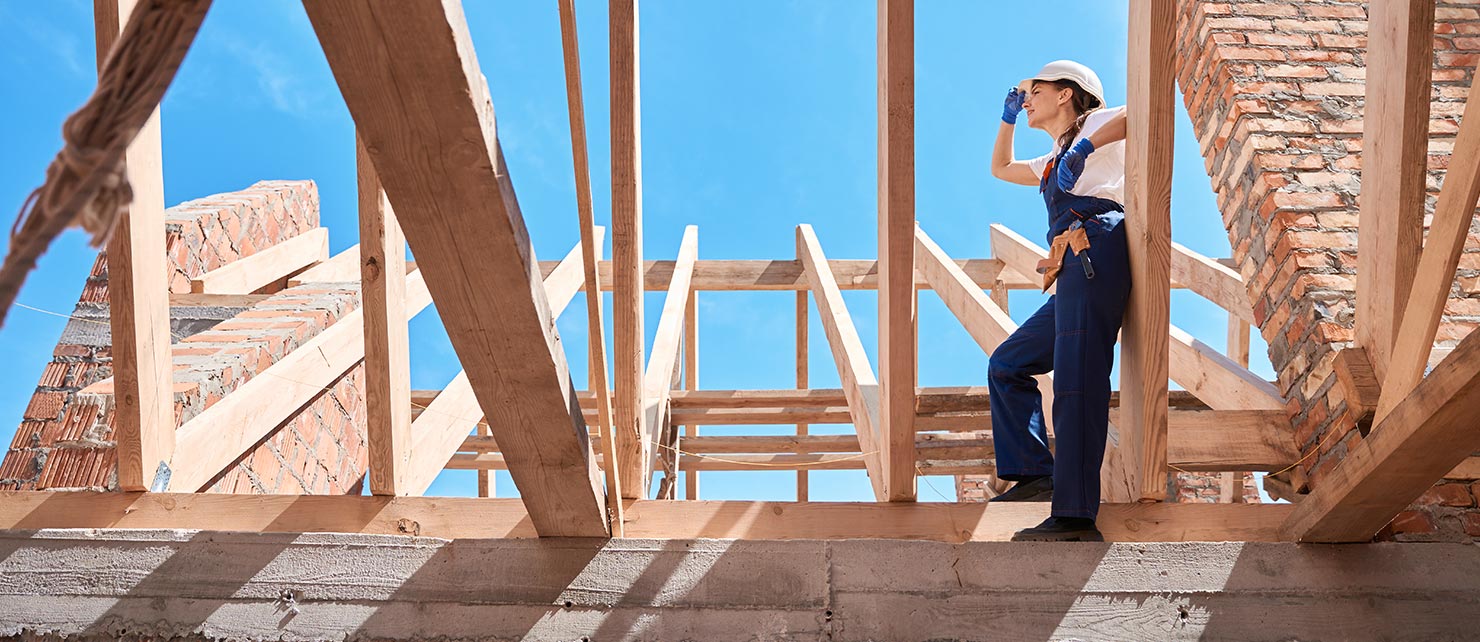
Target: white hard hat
[(1071, 71)]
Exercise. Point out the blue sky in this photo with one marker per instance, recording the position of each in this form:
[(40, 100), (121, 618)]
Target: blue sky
[(756, 116)]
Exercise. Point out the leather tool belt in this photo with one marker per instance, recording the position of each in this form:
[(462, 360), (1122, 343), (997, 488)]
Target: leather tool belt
[(1074, 239)]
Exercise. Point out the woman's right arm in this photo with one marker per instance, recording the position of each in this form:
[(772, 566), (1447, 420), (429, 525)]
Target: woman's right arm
[(1004, 166)]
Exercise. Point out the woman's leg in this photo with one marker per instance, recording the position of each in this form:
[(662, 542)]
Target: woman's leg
[(1088, 318), (1018, 431)]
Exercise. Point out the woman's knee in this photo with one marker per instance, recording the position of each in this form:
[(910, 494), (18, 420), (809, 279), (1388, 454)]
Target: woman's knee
[(999, 368)]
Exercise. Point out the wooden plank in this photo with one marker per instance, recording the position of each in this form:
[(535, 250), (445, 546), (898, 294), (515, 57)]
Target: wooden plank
[(627, 272), (1238, 340), (1150, 89), (471, 517), (344, 266), (1436, 267), (762, 416), (691, 382), (138, 297), (1212, 281), (1228, 440), (773, 444), (562, 284), (591, 250), (464, 224), (786, 275), (387, 337), (1019, 255), (487, 479), (251, 273), (656, 382), (896, 221), (835, 461), (1217, 379), (802, 344), (1426, 436), (1359, 384), (859, 385), (213, 439), (1395, 137)]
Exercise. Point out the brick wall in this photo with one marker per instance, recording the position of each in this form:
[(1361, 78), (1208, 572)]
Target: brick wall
[(65, 438), (1275, 90)]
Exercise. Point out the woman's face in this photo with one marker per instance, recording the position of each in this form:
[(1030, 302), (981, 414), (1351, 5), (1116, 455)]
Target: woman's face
[(1045, 102)]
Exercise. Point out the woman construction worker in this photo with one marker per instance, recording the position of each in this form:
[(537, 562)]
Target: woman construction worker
[(1073, 334)]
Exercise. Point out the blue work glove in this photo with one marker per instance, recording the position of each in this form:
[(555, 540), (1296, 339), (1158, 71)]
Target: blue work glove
[(1072, 165), (1013, 105)]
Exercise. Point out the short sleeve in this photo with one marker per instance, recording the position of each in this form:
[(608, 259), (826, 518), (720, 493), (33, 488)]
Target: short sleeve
[(1097, 119), (1040, 163)]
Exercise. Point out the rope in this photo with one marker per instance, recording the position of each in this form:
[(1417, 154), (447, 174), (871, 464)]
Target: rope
[(86, 184)]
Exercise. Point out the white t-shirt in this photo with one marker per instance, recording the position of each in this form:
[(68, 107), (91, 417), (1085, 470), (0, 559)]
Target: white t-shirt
[(1104, 170)]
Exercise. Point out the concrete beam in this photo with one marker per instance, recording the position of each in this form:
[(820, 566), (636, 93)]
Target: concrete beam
[(100, 584)]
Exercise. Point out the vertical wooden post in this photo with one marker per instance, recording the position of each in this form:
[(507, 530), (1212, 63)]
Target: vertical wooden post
[(487, 479), (896, 96), (627, 288), (690, 382), (591, 251), (1232, 490), (999, 294), (387, 351), (802, 344), (138, 298), (1150, 86), (1394, 158)]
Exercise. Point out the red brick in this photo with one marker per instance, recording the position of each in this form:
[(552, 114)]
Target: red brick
[(1413, 521), (1446, 495)]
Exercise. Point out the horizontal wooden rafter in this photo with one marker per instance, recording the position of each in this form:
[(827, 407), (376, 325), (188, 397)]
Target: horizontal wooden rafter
[(786, 275), (473, 517), (1212, 280), (251, 273), (344, 266)]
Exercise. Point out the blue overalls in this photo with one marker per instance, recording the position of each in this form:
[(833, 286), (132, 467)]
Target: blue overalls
[(1073, 335)]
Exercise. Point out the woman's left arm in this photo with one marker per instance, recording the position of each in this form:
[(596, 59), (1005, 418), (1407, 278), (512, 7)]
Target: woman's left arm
[(1112, 131)]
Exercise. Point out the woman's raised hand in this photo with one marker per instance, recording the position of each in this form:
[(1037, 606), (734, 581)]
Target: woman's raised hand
[(1013, 105), (1072, 165)]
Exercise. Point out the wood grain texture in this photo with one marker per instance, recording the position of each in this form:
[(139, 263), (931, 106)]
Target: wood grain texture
[(784, 275), (860, 387), (434, 145), (690, 382), (1442, 247), (219, 435), (664, 362), (802, 344), (1212, 281), (138, 296), (627, 265), (471, 517), (254, 272), (1395, 135), (1238, 340), (387, 338), (1425, 437), (344, 266), (568, 278), (896, 222), (1150, 89), (1217, 379)]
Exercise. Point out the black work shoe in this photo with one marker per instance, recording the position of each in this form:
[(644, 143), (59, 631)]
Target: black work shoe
[(1030, 490), (1061, 529)]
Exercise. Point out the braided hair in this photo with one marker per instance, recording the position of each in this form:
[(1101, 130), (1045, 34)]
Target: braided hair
[(1083, 104)]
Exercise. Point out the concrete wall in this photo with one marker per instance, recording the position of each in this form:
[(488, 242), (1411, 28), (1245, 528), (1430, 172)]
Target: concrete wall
[(200, 585)]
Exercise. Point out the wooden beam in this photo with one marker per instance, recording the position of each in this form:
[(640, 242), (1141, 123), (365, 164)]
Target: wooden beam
[(691, 382), (272, 265), (896, 221), (562, 284), (474, 518), (591, 250), (1019, 255), (773, 444), (387, 338), (802, 344), (1216, 379), (1395, 139), (657, 380), (219, 435), (487, 479), (463, 222), (1150, 89), (627, 265), (780, 275), (1238, 340), (1212, 281), (1426, 436), (762, 416), (857, 376), (442, 428), (138, 297), (1445, 242), (344, 266)]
